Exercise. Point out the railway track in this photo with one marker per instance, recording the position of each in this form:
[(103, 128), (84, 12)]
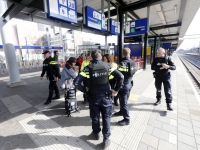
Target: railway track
[(192, 64)]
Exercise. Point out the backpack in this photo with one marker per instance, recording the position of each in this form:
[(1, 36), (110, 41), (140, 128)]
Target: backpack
[(71, 104)]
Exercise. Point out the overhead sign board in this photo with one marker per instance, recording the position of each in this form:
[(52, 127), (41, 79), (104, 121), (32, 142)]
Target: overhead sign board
[(95, 19), (36, 47), (133, 39), (137, 27), (166, 45), (65, 10), (114, 27)]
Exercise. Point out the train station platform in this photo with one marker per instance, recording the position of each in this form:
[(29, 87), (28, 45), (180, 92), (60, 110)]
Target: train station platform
[(25, 123)]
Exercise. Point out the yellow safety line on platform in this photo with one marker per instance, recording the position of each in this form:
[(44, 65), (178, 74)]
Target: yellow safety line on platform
[(134, 97)]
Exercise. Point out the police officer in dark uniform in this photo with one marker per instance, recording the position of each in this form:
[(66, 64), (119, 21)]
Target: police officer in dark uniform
[(127, 68), (50, 67), (55, 57), (98, 88), (162, 64)]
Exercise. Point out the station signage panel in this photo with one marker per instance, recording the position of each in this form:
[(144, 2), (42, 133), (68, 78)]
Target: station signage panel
[(166, 45), (65, 10), (36, 47), (114, 27), (137, 27), (95, 19), (133, 39)]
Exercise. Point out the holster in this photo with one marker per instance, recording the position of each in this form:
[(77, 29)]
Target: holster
[(108, 94)]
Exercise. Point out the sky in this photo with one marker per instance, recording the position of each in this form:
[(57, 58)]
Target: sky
[(193, 33)]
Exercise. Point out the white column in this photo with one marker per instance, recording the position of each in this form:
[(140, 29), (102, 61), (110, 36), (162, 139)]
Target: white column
[(9, 49)]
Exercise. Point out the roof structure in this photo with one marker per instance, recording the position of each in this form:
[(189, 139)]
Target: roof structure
[(169, 19)]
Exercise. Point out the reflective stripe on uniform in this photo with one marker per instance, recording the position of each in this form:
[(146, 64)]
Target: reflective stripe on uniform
[(111, 77), (123, 69), (110, 71), (85, 74), (53, 63)]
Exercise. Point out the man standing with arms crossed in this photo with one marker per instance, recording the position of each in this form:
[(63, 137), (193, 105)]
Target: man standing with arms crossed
[(162, 64)]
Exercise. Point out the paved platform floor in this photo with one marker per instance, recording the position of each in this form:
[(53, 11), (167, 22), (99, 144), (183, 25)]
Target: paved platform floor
[(25, 123)]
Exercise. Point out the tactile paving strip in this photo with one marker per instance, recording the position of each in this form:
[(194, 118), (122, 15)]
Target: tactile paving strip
[(15, 103), (49, 135), (128, 137)]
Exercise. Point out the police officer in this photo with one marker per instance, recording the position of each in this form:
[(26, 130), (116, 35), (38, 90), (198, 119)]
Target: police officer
[(96, 75), (55, 57), (127, 68), (162, 64), (50, 67)]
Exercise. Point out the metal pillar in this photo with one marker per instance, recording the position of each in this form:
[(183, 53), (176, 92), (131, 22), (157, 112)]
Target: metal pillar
[(121, 36), (146, 41), (61, 37), (106, 41), (9, 49), (126, 16), (83, 9), (102, 11), (102, 6), (108, 15), (154, 48)]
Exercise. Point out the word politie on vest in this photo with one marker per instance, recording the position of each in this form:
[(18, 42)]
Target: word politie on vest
[(99, 74)]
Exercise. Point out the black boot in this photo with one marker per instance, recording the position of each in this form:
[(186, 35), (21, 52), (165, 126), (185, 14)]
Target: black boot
[(56, 97), (116, 102), (124, 122), (47, 102), (158, 102), (119, 113), (96, 136), (106, 143), (169, 107)]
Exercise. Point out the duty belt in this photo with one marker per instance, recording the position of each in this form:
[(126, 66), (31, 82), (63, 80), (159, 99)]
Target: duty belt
[(107, 95), (160, 75)]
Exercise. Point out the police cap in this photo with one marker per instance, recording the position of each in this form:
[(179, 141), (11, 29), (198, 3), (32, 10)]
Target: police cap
[(45, 52)]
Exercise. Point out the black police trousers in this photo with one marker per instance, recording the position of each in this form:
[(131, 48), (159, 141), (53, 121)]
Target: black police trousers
[(53, 86), (167, 87), (123, 98), (103, 105)]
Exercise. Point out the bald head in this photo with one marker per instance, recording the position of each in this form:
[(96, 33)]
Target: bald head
[(160, 52)]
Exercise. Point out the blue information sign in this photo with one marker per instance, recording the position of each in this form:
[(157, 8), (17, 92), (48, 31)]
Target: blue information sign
[(65, 10), (95, 19), (35, 47), (166, 45), (114, 27), (137, 27)]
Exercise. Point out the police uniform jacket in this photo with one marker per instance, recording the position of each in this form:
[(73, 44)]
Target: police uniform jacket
[(123, 68), (51, 68), (157, 64), (98, 90)]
